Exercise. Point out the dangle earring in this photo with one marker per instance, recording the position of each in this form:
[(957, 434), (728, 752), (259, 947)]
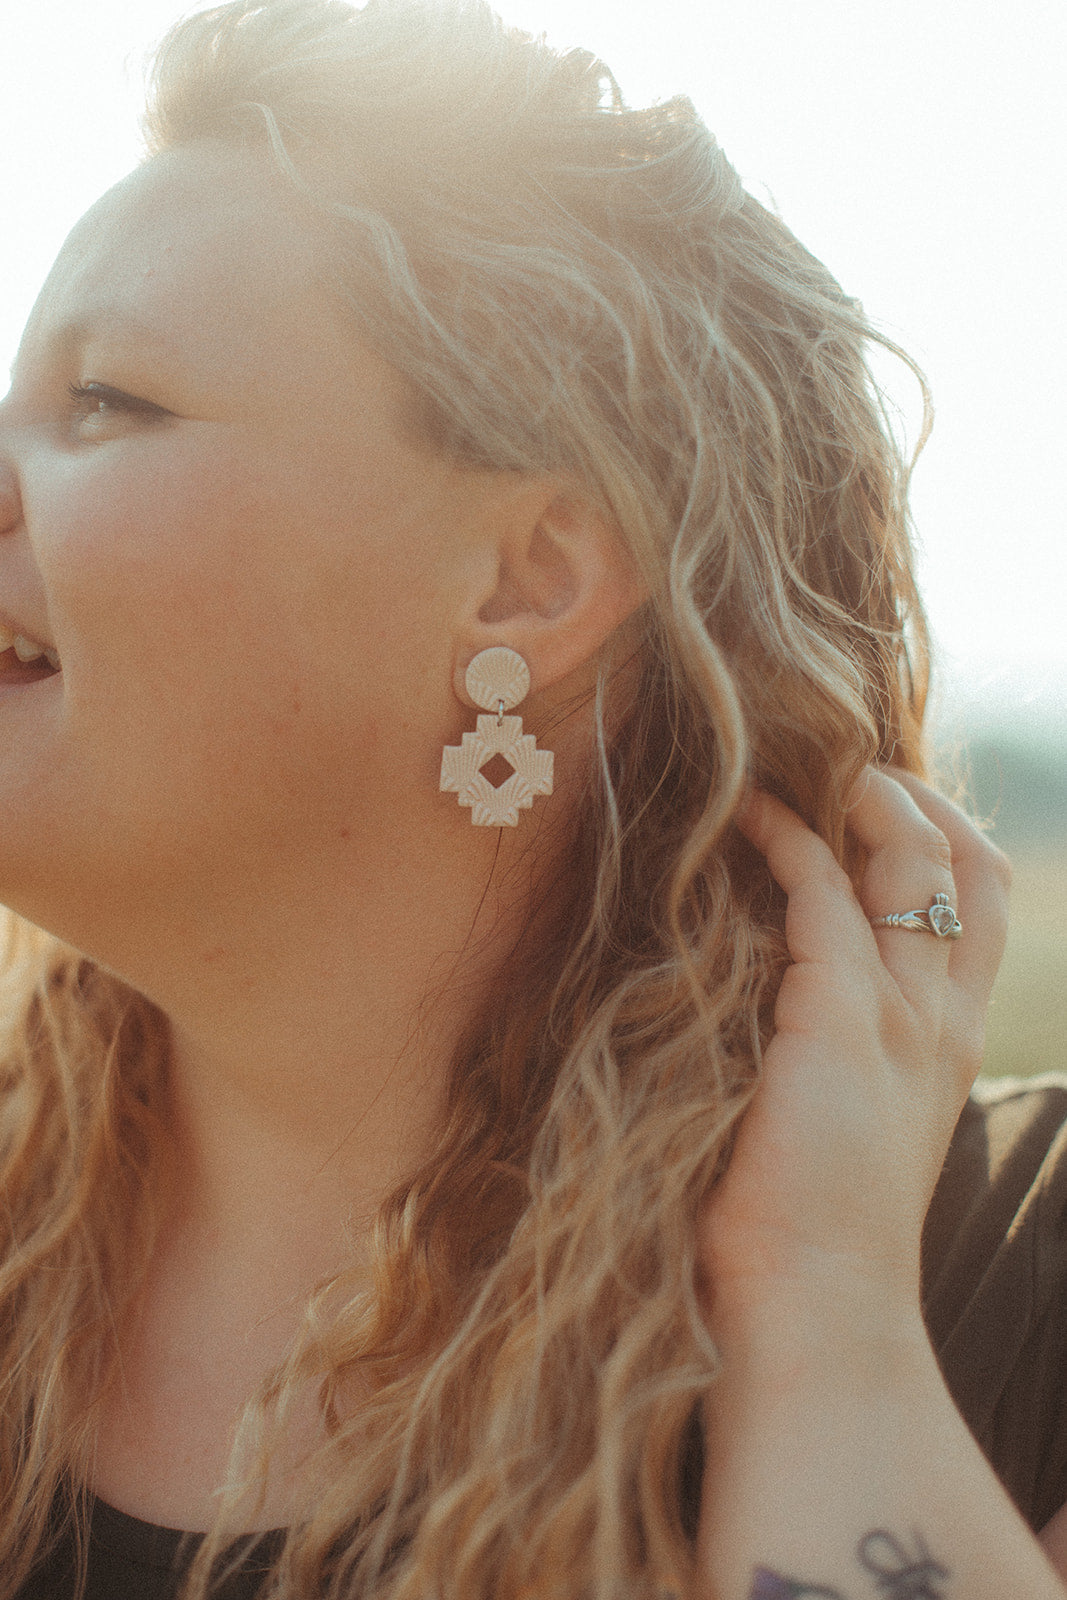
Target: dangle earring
[(497, 680)]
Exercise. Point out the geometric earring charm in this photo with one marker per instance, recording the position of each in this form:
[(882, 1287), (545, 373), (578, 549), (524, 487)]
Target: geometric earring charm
[(497, 680)]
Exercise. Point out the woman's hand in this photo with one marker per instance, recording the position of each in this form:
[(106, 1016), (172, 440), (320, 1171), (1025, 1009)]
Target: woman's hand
[(835, 1459), (878, 1037)]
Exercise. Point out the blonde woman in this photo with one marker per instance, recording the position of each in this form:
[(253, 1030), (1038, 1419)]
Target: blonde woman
[(463, 1135)]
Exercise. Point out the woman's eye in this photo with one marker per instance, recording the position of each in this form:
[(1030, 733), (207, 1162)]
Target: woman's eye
[(98, 406)]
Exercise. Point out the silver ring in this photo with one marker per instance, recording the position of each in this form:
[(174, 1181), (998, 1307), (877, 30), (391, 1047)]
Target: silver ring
[(940, 920)]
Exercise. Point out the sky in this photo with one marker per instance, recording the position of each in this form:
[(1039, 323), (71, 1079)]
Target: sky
[(918, 148)]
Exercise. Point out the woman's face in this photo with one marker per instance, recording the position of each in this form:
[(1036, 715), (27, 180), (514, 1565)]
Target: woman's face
[(211, 510)]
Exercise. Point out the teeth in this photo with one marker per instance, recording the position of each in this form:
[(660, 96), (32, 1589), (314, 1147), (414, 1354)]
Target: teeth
[(27, 649)]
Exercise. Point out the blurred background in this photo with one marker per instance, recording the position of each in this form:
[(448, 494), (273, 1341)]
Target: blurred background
[(920, 150)]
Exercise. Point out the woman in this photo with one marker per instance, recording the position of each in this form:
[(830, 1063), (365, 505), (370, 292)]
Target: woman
[(462, 1198)]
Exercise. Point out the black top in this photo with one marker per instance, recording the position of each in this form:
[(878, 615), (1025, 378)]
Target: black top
[(995, 1272), (134, 1560), (995, 1300)]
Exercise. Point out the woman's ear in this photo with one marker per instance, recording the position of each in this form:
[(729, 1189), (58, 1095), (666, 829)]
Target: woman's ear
[(562, 581)]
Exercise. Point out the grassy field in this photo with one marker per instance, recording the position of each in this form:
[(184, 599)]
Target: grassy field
[(1028, 1016), (1018, 784)]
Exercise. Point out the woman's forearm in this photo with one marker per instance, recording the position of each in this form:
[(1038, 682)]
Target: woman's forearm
[(838, 1466)]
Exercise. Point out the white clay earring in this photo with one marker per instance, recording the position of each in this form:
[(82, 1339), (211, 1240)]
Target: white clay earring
[(497, 680)]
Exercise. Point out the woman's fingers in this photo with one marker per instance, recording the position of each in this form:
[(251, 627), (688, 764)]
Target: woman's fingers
[(918, 845), (823, 918), (983, 879), (909, 861)]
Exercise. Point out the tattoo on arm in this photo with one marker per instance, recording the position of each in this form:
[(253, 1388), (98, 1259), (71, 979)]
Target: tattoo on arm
[(768, 1585), (906, 1577), (899, 1574)]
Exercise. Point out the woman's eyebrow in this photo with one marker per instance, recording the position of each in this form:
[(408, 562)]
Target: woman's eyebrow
[(108, 322)]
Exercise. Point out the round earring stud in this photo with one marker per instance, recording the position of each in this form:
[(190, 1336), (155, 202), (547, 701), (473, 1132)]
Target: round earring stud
[(498, 678)]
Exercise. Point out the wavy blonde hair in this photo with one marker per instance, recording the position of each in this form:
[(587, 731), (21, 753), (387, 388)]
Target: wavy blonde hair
[(576, 287)]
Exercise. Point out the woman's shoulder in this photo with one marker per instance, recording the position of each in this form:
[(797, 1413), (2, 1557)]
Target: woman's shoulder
[(995, 1281)]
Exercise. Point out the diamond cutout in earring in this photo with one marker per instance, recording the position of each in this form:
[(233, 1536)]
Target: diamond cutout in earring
[(497, 770)]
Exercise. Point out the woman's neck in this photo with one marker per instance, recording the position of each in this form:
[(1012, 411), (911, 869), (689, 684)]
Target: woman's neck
[(305, 1080)]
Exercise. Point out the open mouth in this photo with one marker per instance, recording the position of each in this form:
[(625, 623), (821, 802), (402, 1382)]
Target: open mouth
[(13, 670)]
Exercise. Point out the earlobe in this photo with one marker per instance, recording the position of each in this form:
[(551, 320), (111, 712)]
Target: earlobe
[(564, 581)]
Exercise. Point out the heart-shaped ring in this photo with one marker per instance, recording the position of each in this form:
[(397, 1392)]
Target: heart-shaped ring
[(940, 919), (943, 919)]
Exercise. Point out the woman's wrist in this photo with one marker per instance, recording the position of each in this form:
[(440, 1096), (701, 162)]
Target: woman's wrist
[(836, 1315), (834, 1452)]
